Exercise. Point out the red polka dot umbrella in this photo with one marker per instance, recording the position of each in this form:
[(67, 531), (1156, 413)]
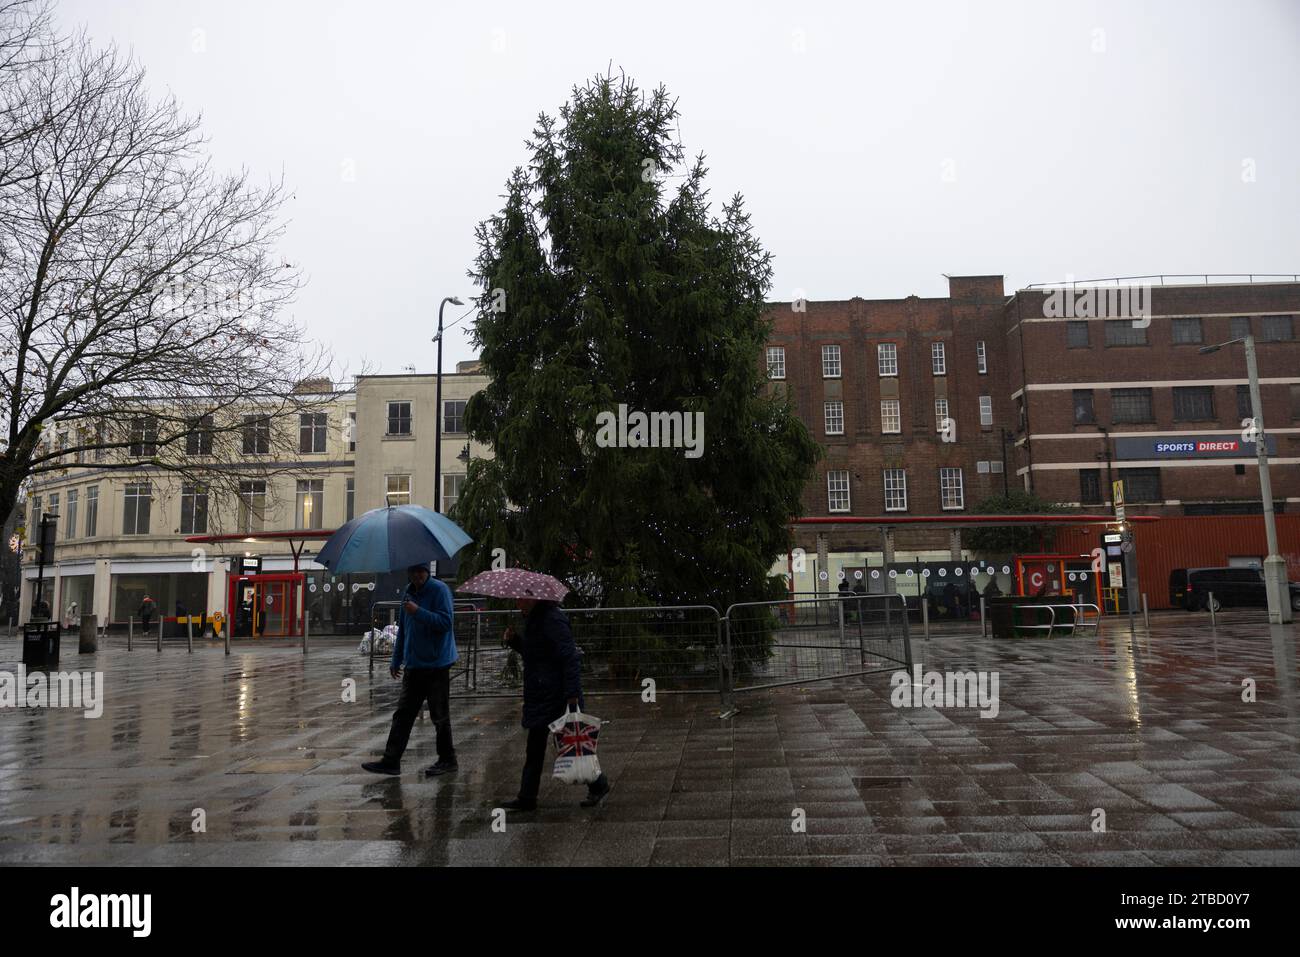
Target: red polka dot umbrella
[(515, 583)]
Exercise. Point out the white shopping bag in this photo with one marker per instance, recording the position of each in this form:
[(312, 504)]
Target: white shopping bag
[(575, 746)]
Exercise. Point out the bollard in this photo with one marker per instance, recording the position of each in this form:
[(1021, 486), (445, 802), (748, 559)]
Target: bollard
[(983, 625), (1209, 603), (189, 633), (160, 632), (130, 631), (1146, 614), (11, 626), (225, 633), (306, 630), (925, 616)]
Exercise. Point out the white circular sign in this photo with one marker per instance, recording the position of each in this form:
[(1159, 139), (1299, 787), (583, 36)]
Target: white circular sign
[(958, 571), (1083, 576), (910, 573), (975, 571), (370, 586), (311, 587), (1070, 576), (858, 574), (943, 573), (1006, 569), (893, 573), (823, 576), (356, 587), (875, 573), (327, 586)]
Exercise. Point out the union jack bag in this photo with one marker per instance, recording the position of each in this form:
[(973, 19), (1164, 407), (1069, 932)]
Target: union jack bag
[(575, 747)]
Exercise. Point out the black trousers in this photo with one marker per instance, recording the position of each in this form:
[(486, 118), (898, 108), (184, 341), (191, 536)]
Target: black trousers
[(535, 759), (418, 686)]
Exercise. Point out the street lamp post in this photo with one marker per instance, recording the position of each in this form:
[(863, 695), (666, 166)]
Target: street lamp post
[(1276, 589), (437, 412)]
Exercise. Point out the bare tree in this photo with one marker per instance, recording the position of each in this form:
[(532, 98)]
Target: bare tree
[(141, 293)]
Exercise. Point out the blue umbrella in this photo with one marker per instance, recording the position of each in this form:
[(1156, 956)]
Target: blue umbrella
[(391, 539)]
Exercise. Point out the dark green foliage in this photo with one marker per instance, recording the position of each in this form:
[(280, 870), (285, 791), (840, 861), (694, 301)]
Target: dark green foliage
[(1012, 539), (601, 285)]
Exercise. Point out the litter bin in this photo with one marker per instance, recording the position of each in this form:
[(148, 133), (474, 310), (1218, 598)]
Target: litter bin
[(41, 644)]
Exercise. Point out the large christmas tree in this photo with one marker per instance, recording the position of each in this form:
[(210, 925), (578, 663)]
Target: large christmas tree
[(603, 286)]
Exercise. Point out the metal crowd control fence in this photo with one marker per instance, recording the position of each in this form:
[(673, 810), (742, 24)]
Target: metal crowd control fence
[(767, 644)]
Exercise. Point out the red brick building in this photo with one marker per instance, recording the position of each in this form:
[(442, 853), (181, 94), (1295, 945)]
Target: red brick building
[(926, 406)]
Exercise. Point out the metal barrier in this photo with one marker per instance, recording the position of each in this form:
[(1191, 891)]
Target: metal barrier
[(1078, 618), (766, 647)]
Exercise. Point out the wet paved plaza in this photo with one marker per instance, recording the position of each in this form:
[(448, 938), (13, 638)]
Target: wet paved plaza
[(1152, 730)]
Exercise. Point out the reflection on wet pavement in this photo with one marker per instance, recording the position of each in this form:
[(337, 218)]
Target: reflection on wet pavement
[(1151, 729)]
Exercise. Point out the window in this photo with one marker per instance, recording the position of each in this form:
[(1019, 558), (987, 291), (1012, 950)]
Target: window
[(92, 510), (940, 414), (399, 418), (1076, 334), (1186, 331), (834, 418), (1295, 402), (399, 490), (252, 506), (890, 417), (887, 358), (776, 362), (1122, 332), (1084, 414), (1090, 486), (995, 466), (1022, 415), (194, 509), (895, 490), (1244, 410), (101, 439), (1193, 403), (950, 489), (257, 435), (351, 497), (451, 489), (830, 362), (938, 359), (1277, 329), (70, 526), (136, 500), (986, 411), (309, 504), (33, 533), (1141, 485), (1239, 328), (981, 358), (1130, 405), (982, 467), (311, 432), (198, 436), (453, 416), (837, 491), (352, 432), (144, 437)]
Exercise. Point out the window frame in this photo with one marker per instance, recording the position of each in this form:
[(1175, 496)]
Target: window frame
[(951, 472), (827, 417), (986, 412), (1117, 394), (899, 488), (390, 419), (775, 361), (881, 362), (132, 502), (1202, 393), (897, 416), (194, 492), (938, 358), (831, 492), (981, 357), (832, 356)]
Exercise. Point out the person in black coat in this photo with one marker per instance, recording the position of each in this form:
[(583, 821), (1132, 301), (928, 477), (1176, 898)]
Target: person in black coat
[(552, 686)]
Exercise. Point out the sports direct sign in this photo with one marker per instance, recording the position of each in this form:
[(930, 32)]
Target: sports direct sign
[(1188, 447)]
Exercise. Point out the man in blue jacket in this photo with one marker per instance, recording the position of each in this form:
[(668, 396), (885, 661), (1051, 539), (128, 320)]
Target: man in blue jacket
[(426, 649)]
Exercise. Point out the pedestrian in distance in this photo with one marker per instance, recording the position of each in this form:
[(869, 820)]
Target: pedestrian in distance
[(552, 686), (147, 609), (423, 654)]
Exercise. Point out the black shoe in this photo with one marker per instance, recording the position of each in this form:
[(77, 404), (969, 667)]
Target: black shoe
[(519, 804), (441, 767), (381, 767), (595, 797)]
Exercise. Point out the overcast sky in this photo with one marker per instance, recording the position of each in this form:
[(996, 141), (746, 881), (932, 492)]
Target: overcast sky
[(878, 146)]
